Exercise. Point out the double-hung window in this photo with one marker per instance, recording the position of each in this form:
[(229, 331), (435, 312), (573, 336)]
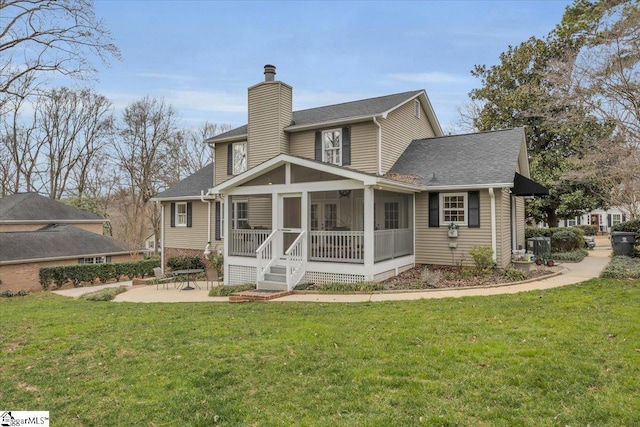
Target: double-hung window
[(391, 215), (616, 219), (332, 146), (454, 208), (239, 157), (240, 215), (181, 214)]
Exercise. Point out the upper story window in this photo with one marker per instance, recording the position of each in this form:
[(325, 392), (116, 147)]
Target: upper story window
[(453, 208), (239, 157), (416, 108), (332, 146), (181, 214)]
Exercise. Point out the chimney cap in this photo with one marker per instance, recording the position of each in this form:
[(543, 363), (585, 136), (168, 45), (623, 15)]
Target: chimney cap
[(269, 73)]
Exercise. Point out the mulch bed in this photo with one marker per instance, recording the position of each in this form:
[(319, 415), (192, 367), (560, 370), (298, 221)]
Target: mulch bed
[(455, 277)]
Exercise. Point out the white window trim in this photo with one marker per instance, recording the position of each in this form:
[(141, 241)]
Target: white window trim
[(616, 219), (466, 208), (416, 108), (238, 171), (234, 213), (178, 215), (339, 149), (222, 215)]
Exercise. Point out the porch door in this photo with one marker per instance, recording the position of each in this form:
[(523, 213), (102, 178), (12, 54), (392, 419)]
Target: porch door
[(291, 219)]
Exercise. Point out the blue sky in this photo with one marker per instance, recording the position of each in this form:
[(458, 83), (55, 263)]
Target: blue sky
[(201, 56)]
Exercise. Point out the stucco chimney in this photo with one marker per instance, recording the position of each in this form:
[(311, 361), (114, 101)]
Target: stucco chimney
[(269, 73)]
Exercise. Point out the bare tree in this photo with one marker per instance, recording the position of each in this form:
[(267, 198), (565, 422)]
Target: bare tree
[(146, 133), (39, 37), (76, 126)]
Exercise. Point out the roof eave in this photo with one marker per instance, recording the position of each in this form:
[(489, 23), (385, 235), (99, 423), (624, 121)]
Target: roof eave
[(468, 186), (348, 120)]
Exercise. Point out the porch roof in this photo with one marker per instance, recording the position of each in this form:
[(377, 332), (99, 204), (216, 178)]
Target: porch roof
[(367, 179), (487, 159)]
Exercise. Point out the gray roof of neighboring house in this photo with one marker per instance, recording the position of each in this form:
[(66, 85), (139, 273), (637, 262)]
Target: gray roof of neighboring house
[(362, 108), (191, 186), (59, 241), (471, 159), (27, 207)]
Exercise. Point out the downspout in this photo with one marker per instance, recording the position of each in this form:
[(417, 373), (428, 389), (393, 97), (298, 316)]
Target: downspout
[(207, 249), (494, 244), (375, 121), (162, 237)]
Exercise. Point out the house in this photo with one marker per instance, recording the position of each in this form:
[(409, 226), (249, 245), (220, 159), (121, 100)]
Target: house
[(37, 232), (349, 192), (603, 219)]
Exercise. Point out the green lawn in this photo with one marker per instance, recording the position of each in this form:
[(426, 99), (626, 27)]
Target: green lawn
[(568, 356)]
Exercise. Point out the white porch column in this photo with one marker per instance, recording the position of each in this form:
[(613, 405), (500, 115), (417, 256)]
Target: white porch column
[(227, 236), (304, 213), (276, 220), (369, 244)]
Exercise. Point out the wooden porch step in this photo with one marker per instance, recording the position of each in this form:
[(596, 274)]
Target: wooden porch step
[(257, 295)]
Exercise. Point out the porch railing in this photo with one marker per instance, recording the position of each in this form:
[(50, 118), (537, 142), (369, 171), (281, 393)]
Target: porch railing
[(336, 246), (267, 253), (295, 261), (392, 243), (245, 242)]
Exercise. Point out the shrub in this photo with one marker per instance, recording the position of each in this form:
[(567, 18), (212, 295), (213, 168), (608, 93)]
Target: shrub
[(226, 290), (431, 278), (538, 232), (622, 267), (106, 294), (630, 226), (566, 240), (184, 262), (8, 293), (589, 230), (482, 257), (514, 275), (573, 256)]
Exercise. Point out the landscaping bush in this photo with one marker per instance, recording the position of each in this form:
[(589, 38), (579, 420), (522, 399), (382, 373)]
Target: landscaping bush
[(630, 226), (78, 274), (567, 240), (589, 230), (622, 267), (184, 262), (573, 256), (8, 293), (538, 232), (226, 290), (482, 257), (106, 294), (514, 275)]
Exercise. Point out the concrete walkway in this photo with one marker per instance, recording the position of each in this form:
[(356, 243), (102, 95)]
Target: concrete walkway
[(571, 273)]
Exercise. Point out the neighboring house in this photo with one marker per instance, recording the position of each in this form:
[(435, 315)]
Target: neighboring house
[(356, 191), (150, 244), (603, 219), (37, 232)]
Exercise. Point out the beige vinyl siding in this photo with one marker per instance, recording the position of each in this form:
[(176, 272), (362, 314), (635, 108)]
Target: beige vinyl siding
[(194, 237), (221, 164), (269, 113), (364, 145), (503, 230), (260, 212), (432, 244), (398, 130), (520, 222)]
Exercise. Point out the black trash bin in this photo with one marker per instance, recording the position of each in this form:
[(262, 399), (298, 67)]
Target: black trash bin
[(622, 242)]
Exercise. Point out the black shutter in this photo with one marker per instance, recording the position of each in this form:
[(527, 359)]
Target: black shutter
[(217, 226), (346, 146), (474, 209), (624, 218), (173, 214), (189, 214), (434, 209), (230, 159), (318, 146), (579, 220), (609, 220)]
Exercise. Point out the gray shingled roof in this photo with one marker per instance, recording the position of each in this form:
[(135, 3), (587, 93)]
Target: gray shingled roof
[(34, 207), (191, 186), (344, 111), (57, 242), (472, 159)]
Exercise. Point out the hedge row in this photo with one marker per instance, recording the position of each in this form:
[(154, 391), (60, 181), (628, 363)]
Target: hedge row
[(563, 239), (89, 273)]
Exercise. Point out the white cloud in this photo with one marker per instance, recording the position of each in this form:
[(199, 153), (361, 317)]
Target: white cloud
[(435, 77)]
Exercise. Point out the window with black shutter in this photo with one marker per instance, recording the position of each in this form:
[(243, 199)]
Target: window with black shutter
[(434, 209)]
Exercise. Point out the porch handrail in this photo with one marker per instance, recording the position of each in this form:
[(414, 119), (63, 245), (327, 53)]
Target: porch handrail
[(295, 261), (266, 254)]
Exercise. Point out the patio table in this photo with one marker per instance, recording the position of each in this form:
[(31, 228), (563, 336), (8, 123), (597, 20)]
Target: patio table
[(188, 273)]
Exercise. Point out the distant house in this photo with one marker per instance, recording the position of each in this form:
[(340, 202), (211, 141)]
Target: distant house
[(37, 232), (342, 193), (603, 219)]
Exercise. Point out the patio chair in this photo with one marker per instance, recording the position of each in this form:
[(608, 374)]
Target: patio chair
[(160, 279), (211, 275)]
